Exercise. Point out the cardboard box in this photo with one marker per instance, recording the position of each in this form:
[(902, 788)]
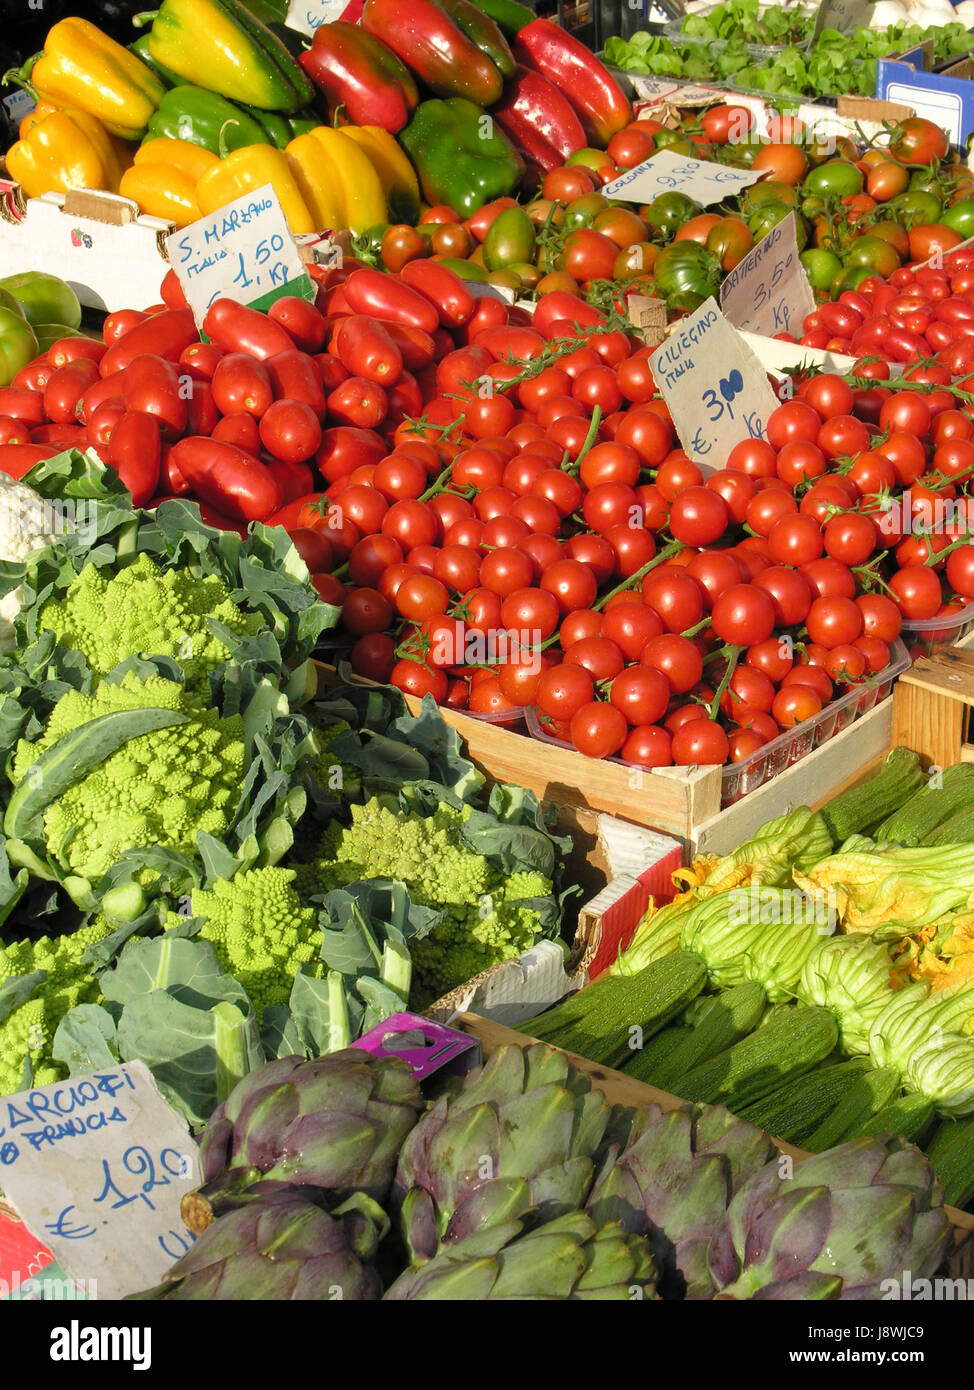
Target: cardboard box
[(945, 97)]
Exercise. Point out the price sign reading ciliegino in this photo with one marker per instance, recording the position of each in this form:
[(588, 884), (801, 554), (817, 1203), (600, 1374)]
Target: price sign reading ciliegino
[(768, 292), (714, 387), (664, 172), (244, 250)]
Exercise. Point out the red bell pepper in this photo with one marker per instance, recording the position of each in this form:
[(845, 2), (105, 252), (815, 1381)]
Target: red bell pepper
[(354, 69), (540, 123), (592, 90), (135, 452), (163, 335), (428, 41), (481, 30), (228, 478)]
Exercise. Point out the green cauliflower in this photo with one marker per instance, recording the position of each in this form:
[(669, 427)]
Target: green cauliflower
[(29, 1029), (330, 771), (261, 932), (485, 916), (157, 789), (143, 610)]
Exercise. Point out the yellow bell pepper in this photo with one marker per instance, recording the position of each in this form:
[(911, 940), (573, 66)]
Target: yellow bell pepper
[(400, 186), (163, 179), (358, 185), (82, 67), (42, 109), (319, 182), (248, 169), (67, 149)]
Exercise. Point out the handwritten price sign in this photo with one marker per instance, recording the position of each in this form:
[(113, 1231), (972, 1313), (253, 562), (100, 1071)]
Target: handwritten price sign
[(97, 1167), (714, 387), (244, 250), (768, 292), (665, 172)]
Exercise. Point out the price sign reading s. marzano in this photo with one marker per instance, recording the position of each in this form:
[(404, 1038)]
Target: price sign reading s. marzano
[(714, 387), (768, 292)]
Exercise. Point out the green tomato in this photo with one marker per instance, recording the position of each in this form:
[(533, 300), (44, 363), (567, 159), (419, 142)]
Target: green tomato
[(837, 178), (878, 256), (591, 158), (686, 274), (44, 298), (467, 270), (668, 212), (821, 267), (914, 209), (768, 215), (582, 212), (960, 217), (18, 346), (850, 278), (7, 301), (510, 238), (47, 334), (673, 140), (771, 191), (744, 152)]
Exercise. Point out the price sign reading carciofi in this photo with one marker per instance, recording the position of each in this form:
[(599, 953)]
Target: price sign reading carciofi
[(714, 387)]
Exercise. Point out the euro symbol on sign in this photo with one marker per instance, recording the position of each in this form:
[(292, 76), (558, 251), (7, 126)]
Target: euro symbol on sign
[(62, 1227), (699, 445)]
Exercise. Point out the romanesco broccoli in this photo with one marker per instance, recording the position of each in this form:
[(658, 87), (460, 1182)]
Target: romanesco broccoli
[(30, 1028), (485, 918), (158, 789), (145, 610), (260, 931)]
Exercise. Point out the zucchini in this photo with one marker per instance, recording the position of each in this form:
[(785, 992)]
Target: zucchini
[(793, 1110), (648, 1063), (959, 830), (930, 807), (728, 1017), (853, 811), (598, 1022), (951, 1153), (911, 1117), (781, 1051), (859, 1105), (73, 756)]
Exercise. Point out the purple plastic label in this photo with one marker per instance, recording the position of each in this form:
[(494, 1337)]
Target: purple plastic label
[(427, 1047)]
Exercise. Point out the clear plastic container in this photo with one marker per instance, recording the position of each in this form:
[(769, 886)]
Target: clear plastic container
[(793, 744), (924, 636)]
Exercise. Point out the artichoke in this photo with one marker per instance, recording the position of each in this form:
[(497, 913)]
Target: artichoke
[(843, 1223), (521, 1132), (282, 1245), (672, 1181), (572, 1257), (335, 1123)]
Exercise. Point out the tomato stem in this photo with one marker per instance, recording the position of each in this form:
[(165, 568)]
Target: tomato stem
[(733, 657), (672, 549)]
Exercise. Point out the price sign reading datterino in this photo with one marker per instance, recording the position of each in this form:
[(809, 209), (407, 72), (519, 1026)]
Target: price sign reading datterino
[(97, 1167), (244, 251), (665, 172), (768, 292), (714, 387)]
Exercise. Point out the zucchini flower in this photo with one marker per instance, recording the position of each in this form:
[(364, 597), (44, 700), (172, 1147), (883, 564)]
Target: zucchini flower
[(853, 977)]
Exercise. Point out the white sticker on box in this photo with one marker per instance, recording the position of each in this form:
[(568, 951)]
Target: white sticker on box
[(305, 16), (945, 109), (714, 387), (843, 15), (96, 1167), (664, 172), (244, 250), (768, 292)]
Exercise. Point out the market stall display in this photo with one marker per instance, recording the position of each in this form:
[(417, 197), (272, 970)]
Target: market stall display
[(336, 607)]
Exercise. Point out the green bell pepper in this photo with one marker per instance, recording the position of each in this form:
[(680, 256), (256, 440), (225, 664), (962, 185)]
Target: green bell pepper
[(462, 157), (141, 50), (18, 346), (44, 298), (206, 119)]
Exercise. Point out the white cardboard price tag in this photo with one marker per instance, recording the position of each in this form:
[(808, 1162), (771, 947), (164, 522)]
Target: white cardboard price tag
[(96, 1166), (714, 387), (844, 15), (244, 250), (768, 292), (665, 172), (305, 16)]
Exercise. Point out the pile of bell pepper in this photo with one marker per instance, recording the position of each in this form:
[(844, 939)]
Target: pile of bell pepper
[(453, 101)]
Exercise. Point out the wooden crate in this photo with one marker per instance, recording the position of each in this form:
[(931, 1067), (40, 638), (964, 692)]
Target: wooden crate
[(626, 1090), (932, 708)]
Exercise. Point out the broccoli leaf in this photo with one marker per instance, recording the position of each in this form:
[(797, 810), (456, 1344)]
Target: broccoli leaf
[(17, 990), (440, 743), (188, 970), (325, 1016), (279, 1034), (85, 1040)]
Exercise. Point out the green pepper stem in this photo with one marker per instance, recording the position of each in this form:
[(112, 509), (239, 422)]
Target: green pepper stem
[(145, 17)]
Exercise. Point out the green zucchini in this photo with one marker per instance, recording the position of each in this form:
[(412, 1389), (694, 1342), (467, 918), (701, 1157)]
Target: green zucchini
[(729, 1016), (598, 1022), (859, 1104), (73, 757), (959, 830), (930, 807), (647, 1063), (793, 1110), (853, 811), (910, 1116), (951, 1153), (781, 1051)]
